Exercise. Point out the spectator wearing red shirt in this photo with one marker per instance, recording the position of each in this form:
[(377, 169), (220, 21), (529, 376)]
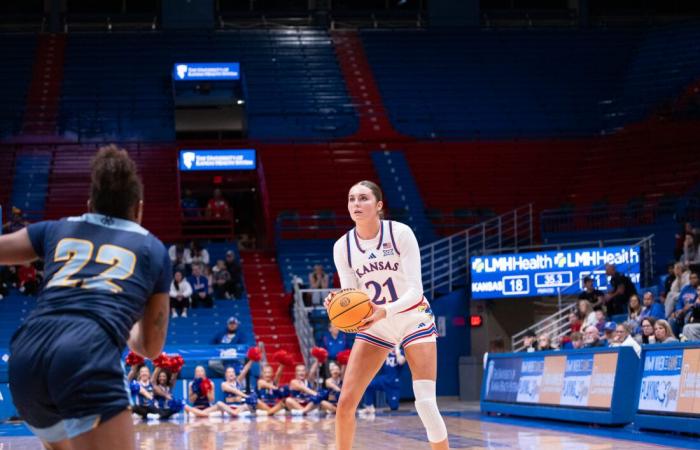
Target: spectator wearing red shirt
[(28, 279), (218, 207)]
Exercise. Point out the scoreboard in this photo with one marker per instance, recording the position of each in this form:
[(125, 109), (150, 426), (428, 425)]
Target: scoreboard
[(549, 273)]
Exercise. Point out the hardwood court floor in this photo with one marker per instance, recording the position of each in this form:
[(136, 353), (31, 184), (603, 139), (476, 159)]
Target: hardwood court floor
[(401, 431)]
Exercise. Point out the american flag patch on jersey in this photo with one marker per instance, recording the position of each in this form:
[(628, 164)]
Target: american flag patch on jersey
[(386, 245)]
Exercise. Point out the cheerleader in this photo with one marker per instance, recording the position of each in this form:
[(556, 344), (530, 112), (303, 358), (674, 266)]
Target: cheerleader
[(163, 384), (302, 397), (142, 389), (269, 398), (201, 396), (233, 388), (333, 384)]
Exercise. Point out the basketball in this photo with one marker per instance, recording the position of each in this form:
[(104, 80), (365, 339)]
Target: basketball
[(348, 308)]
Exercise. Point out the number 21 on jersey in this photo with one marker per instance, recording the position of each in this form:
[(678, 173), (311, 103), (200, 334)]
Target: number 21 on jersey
[(389, 284), (77, 253)]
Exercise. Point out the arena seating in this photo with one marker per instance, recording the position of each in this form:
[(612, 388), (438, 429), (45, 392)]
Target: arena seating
[(17, 53), (482, 84), (118, 86)]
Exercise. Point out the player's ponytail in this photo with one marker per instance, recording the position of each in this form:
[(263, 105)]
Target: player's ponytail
[(376, 191), (115, 189)]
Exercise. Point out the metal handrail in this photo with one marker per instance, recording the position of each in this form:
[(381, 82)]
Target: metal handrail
[(302, 324), (556, 325), (445, 262)]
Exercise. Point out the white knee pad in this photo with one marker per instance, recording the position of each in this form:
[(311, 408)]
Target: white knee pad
[(426, 406)]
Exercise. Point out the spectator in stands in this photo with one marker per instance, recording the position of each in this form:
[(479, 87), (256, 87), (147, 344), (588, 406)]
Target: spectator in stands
[(685, 303), (682, 279), (663, 333), (591, 338), (217, 207), (609, 332), (28, 279), (590, 293), (234, 269), (691, 330), (530, 341), (670, 278), (180, 294), (599, 319), (230, 335), (680, 239), (16, 221), (574, 322), (189, 204), (634, 312), (544, 342), (623, 338), (199, 254), (318, 279), (223, 288), (651, 308), (180, 258), (690, 255), (335, 341), (576, 340), (200, 288), (647, 334), (622, 288), (585, 313)]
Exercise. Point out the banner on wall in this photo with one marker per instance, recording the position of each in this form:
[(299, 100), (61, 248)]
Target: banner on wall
[(580, 380), (671, 382)]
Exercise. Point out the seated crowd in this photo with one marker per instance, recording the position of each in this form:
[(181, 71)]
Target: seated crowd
[(619, 318)]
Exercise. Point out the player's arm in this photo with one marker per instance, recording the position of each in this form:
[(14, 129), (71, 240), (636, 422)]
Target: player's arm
[(330, 384), (411, 266), (278, 374), (16, 248), (147, 336), (242, 374), (347, 277)]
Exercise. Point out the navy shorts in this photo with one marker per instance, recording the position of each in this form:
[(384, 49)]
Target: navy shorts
[(64, 368)]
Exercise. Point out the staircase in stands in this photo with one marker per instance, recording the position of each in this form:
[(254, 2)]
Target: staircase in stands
[(363, 89), (270, 307), (44, 94)]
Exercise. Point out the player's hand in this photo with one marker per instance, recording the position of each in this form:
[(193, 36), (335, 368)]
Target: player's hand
[(327, 300), (378, 313)]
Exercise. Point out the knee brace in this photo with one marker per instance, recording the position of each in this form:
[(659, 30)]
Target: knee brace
[(426, 406)]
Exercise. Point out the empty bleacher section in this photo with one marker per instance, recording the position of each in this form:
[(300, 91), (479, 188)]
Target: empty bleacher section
[(31, 182), (118, 85), (69, 184), (17, 53), (528, 83), (304, 180)]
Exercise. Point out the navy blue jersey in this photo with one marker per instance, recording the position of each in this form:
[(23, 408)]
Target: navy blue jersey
[(333, 395), (300, 395), (162, 402), (268, 396), (100, 267), (230, 398)]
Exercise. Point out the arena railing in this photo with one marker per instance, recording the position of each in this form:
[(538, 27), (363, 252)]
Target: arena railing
[(302, 322), (445, 262), (557, 325)]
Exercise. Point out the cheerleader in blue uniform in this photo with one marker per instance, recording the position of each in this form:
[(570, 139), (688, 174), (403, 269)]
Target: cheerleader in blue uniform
[(269, 394), (333, 385), (233, 388), (302, 397)]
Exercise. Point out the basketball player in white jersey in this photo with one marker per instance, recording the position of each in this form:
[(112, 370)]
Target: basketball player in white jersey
[(382, 259)]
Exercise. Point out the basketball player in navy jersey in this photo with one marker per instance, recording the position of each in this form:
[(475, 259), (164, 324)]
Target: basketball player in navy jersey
[(107, 281), (382, 258)]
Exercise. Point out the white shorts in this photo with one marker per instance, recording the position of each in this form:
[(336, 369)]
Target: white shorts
[(411, 326)]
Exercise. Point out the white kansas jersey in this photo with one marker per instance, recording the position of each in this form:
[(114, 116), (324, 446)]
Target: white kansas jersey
[(387, 268)]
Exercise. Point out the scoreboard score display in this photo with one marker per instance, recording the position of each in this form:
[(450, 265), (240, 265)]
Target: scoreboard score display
[(549, 273)]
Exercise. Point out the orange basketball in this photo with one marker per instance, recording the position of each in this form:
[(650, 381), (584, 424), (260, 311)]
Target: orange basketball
[(348, 308)]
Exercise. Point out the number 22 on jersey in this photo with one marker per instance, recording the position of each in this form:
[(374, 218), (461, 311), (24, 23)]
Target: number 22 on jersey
[(77, 253)]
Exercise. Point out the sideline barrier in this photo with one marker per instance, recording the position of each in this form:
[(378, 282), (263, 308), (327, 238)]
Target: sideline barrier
[(669, 389), (587, 385)]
